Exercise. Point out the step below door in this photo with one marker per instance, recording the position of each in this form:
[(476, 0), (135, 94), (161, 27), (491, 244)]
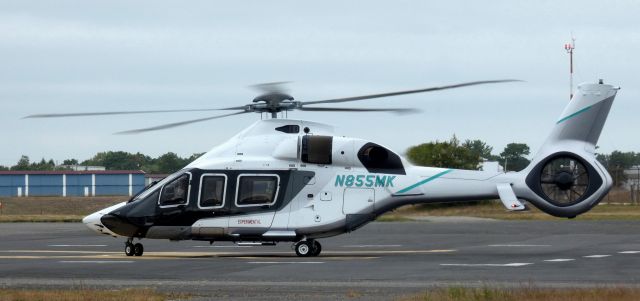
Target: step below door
[(358, 201)]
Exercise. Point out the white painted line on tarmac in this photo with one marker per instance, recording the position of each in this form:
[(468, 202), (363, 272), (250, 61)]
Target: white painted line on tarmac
[(96, 261), (596, 256), (76, 245), (285, 262), (372, 246), (629, 252), (560, 260), (519, 245), (223, 246), (514, 264)]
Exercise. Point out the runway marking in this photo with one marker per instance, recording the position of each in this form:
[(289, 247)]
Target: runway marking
[(223, 246), (560, 260), (323, 257), (596, 256), (96, 261), (285, 262), (76, 245), (514, 264), (629, 252), (59, 251), (519, 245), (372, 246)]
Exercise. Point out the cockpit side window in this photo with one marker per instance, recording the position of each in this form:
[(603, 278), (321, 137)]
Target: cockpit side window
[(257, 190), (212, 191), (176, 192), (316, 149)]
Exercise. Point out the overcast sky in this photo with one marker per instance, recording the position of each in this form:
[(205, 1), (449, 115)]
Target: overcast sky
[(75, 56)]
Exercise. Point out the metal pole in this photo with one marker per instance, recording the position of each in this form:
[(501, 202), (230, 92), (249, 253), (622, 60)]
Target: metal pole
[(637, 185), (569, 48)]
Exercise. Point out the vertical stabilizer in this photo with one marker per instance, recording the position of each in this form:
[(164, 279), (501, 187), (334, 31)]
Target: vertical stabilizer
[(564, 178)]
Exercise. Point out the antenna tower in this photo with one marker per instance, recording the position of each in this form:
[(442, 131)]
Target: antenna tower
[(569, 47)]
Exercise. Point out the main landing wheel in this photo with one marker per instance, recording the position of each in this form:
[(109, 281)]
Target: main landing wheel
[(138, 249), (316, 248), (129, 249), (308, 248)]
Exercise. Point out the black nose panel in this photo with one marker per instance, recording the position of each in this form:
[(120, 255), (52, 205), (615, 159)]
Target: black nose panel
[(119, 226)]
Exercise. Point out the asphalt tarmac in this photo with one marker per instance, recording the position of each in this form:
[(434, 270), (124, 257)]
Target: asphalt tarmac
[(381, 261)]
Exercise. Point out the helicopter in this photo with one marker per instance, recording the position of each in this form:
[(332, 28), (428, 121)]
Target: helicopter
[(297, 181)]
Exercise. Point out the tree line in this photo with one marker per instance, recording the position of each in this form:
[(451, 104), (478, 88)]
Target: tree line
[(468, 154), (112, 160)]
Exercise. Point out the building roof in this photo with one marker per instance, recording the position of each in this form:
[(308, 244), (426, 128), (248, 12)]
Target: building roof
[(156, 175), (70, 172)]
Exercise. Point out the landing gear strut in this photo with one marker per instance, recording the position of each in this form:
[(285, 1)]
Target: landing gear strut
[(309, 247), (131, 249)]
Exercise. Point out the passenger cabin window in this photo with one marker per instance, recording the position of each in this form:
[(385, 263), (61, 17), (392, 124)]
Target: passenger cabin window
[(175, 192), (212, 191), (316, 149), (257, 190)]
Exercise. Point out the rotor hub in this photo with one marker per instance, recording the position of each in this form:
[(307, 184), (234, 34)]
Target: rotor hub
[(273, 98), (564, 180)]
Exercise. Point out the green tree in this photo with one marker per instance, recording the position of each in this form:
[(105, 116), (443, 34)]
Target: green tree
[(23, 164), (170, 162), (118, 160), (42, 165), (450, 154), (617, 162), (70, 162), (194, 157), (480, 148), (513, 156)]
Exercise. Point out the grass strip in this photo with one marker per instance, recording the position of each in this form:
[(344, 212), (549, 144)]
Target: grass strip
[(134, 294), (525, 294)]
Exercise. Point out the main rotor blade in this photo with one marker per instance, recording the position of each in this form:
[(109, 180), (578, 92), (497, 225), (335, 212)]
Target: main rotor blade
[(354, 98), (392, 110), (123, 112), (175, 124)]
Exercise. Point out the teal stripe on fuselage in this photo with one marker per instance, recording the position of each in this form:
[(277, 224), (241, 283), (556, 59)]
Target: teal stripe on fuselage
[(425, 181), (573, 115)]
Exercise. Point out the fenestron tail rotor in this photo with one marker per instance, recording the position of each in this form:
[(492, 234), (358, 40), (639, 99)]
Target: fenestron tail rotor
[(273, 100)]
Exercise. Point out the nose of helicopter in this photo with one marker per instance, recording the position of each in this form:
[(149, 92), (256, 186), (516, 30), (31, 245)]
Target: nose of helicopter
[(119, 225), (94, 220)]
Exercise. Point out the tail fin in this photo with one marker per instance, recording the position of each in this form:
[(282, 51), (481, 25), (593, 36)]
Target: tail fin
[(564, 178), (583, 119)]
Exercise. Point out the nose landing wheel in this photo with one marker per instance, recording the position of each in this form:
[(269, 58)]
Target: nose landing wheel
[(307, 248), (131, 249)]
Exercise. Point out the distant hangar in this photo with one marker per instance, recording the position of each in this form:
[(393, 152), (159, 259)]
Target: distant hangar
[(71, 183)]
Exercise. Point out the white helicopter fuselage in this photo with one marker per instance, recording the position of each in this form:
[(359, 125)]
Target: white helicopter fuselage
[(340, 196), (294, 180)]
